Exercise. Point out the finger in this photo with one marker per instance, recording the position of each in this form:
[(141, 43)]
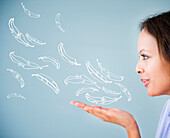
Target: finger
[(100, 110), (93, 108), (74, 102), (79, 104), (96, 106), (92, 111)]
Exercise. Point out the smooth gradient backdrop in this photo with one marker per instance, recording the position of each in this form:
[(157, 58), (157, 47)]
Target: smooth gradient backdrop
[(94, 29)]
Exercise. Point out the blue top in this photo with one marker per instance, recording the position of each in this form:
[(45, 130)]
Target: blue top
[(163, 130)]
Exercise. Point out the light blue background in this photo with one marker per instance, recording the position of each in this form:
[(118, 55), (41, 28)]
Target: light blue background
[(107, 30)]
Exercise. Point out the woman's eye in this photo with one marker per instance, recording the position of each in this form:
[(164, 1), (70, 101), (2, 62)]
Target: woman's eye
[(144, 56)]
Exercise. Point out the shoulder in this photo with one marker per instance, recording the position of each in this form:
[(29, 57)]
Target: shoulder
[(163, 126), (168, 102), (167, 105), (166, 109)]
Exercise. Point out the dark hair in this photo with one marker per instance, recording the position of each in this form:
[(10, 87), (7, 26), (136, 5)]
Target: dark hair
[(159, 27)]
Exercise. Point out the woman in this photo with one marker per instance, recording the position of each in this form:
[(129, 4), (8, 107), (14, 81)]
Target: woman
[(154, 68)]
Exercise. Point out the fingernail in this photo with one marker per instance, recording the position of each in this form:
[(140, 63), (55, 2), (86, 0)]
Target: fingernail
[(77, 104), (71, 102), (87, 108)]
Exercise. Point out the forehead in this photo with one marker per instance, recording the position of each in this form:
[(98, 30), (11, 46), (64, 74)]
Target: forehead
[(146, 42)]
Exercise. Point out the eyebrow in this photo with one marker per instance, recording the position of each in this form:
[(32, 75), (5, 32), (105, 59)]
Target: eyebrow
[(144, 51)]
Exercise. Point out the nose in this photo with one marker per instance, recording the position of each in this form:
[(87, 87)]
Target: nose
[(139, 69)]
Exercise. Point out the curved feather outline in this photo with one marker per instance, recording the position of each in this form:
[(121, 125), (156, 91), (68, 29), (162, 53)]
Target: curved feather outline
[(86, 89), (25, 64), (30, 13), (18, 77), (58, 23), (108, 100), (125, 90), (17, 59), (52, 60), (33, 40), (15, 95), (108, 91), (17, 34), (48, 81), (109, 74), (80, 79), (32, 65), (102, 100), (21, 39), (66, 57), (14, 30), (95, 74), (93, 99)]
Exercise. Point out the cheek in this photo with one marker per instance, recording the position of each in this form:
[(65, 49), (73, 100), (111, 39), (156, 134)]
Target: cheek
[(159, 81), (150, 70), (153, 69)]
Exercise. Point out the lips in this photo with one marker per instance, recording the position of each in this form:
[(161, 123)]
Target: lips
[(146, 82)]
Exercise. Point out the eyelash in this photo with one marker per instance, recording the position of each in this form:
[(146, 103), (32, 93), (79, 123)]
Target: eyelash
[(144, 56)]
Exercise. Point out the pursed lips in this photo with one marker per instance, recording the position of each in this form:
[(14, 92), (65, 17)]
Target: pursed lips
[(146, 82)]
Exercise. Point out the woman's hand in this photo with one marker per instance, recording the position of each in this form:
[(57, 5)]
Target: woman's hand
[(112, 115)]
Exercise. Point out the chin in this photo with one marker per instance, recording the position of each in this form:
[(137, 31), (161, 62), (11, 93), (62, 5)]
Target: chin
[(152, 93)]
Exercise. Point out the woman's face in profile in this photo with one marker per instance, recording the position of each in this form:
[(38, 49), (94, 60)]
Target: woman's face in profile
[(153, 74)]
